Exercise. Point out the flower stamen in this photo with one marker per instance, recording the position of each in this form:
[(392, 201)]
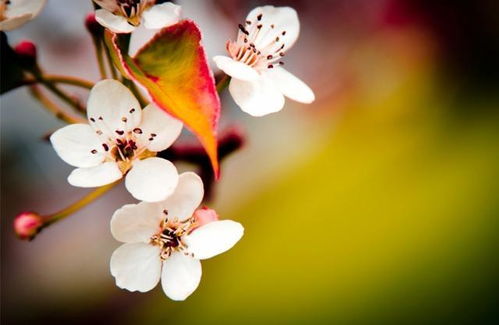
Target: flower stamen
[(121, 146), (251, 47), (170, 236)]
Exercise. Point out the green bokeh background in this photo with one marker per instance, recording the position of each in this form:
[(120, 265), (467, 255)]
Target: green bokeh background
[(392, 220)]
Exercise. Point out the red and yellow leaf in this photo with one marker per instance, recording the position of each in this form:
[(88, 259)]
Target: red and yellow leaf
[(174, 70)]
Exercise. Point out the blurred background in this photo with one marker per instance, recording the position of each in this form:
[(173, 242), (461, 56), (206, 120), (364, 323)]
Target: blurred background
[(377, 204)]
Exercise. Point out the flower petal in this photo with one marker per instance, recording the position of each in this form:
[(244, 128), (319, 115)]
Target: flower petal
[(99, 175), (134, 223), (235, 69), (290, 85), (109, 5), (154, 19), (186, 198), (21, 7), (14, 22), (140, 37), (161, 15), (151, 179), (115, 23), (158, 129), (21, 11), (258, 98), (284, 19), (78, 145), (213, 238), (181, 276), (136, 267), (113, 108)]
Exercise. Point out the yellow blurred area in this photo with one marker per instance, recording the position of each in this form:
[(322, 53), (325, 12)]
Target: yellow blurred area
[(389, 221)]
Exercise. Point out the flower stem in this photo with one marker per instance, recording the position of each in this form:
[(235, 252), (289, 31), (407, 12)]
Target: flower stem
[(69, 80), (59, 79), (110, 63), (99, 55), (68, 99), (231, 140), (53, 107), (84, 201), (133, 87), (223, 83)]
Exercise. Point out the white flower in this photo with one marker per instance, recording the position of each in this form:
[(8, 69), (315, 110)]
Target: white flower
[(14, 13), (121, 139), (164, 241), (259, 83), (124, 16)]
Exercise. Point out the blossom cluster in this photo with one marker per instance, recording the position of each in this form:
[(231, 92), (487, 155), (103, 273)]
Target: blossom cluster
[(167, 234)]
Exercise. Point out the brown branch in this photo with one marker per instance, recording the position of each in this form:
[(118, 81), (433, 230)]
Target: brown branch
[(52, 107), (230, 141)]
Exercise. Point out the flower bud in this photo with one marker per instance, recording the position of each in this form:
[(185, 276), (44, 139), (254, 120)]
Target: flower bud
[(205, 215), (93, 25), (26, 54), (27, 225)]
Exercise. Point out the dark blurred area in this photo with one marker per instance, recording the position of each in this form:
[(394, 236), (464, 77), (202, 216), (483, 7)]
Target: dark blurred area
[(377, 204)]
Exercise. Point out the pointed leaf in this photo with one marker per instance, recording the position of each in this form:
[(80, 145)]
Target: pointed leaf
[(174, 70)]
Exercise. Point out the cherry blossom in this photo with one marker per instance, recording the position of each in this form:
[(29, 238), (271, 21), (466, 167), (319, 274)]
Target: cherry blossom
[(120, 139), (124, 16), (259, 82), (163, 241)]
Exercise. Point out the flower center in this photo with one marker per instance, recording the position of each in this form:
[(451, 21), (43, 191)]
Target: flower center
[(121, 146), (124, 149), (3, 9), (258, 45), (132, 9), (170, 235)]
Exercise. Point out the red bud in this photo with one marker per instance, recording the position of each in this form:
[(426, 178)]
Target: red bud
[(26, 51), (93, 25), (27, 225), (205, 215)]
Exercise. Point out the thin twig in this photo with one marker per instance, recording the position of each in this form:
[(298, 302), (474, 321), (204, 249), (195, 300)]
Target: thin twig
[(135, 90), (69, 80), (60, 79), (110, 63), (230, 141), (98, 46), (68, 99), (84, 201), (52, 107), (222, 83)]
